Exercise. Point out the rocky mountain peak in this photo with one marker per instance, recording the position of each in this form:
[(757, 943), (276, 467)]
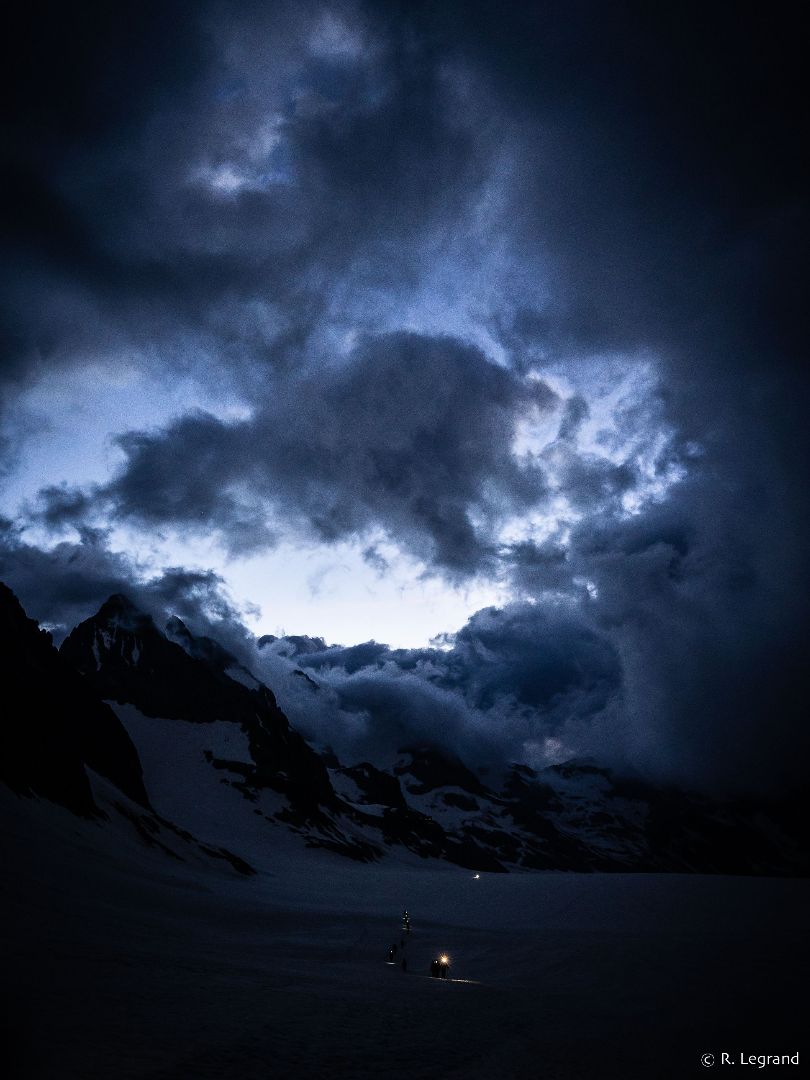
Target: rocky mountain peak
[(119, 612), (54, 726), (428, 767)]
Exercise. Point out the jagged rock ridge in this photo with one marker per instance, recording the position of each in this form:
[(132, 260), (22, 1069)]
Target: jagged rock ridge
[(575, 816), (54, 725)]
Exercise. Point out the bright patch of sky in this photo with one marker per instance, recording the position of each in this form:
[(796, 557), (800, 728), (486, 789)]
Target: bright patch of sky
[(330, 592)]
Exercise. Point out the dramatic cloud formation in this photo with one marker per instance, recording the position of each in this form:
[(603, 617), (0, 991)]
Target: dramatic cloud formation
[(412, 435), (516, 684), (510, 296)]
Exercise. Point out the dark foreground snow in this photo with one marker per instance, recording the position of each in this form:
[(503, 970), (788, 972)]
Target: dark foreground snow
[(118, 963)]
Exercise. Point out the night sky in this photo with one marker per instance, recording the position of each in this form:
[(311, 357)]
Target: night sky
[(474, 329)]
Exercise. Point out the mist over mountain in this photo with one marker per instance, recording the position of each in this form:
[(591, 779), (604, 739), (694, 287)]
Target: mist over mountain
[(189, 734)]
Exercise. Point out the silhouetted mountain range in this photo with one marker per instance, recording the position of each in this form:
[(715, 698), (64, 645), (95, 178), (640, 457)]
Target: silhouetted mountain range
[(119, 683)]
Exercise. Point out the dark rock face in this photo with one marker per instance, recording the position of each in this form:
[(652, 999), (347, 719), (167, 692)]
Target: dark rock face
[(579, 817), (429, 768), (416, 831), (54, 724), (127, 659), (378, 787)]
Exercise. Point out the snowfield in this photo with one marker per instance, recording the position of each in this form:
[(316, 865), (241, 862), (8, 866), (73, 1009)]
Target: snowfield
[(120, 962)]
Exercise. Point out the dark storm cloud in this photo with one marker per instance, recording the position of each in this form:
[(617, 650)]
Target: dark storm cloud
[(212, 188), (58, 506), (350, 658), (666, 152), (711, 628), (647, 153), (400, 711), (539, 656), (533, 654), (525, 682), (242, 191), (65, 584), (81, 82), (62, 585), (412, 434)]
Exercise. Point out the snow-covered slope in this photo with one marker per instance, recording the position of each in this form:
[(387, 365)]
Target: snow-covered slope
[(121, 962)]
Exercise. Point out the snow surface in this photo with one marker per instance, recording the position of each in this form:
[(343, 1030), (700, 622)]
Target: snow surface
[(122, 963), (433, 805), (349, 789), (185, 788)]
